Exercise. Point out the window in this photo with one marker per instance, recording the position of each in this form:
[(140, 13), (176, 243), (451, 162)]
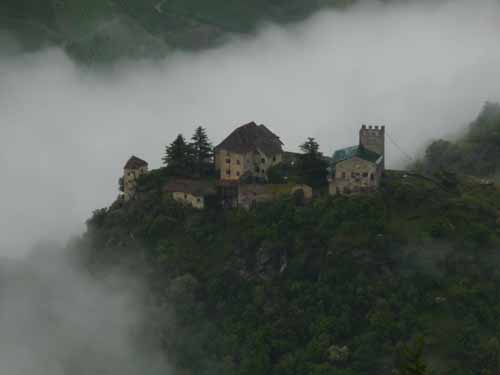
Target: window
[(353, 174), (262, 171), (274, 158), (198, 200), (365, 174), (257, 169), (228, 172), (238, 162), (372, 177), (185, 196), (238, 174), (228, 161), (263, 161), (343, 175)]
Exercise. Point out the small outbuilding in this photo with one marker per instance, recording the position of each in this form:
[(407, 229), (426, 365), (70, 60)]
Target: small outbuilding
[(195, 193)]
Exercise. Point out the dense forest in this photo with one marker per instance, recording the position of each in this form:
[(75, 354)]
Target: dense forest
[(401, 281), (96, 31), (476, 153), (99, 31)]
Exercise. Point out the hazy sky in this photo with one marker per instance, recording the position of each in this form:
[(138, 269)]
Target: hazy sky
[(65, 132)]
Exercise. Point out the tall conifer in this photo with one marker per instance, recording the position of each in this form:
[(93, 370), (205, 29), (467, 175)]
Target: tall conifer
[(202, 151)]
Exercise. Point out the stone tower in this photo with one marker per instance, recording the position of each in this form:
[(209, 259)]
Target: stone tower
[(373, 138), (134, 169)]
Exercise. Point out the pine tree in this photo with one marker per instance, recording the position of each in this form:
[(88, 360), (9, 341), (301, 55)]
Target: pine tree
[(310, 147), (311, 166), (178, 157), (411, 360), (202, 150)]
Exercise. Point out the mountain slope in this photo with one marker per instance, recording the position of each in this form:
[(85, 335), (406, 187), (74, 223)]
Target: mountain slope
[(173, 23), (342, 286), (476, 153)]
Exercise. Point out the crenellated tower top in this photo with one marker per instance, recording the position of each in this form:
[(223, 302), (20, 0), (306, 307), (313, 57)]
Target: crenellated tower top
[(373, 138)]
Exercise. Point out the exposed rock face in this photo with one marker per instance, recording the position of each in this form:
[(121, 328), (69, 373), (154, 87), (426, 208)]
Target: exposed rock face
[(338, 353), (269, 262)]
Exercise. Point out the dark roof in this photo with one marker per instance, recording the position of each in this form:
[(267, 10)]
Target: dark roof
[(198, 188), (252, 137), (135, 163), (355, 151)]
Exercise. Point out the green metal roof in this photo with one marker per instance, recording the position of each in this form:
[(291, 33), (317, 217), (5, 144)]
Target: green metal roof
[(355, 151)]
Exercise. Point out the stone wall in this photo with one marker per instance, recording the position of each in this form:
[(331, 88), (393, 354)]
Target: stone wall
[(355, 175), (189, 199), (130, 177), (250, 195), (373, 138), (232, 165)]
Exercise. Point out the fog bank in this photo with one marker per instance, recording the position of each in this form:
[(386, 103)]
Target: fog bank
[(56, 320), (422, 70)]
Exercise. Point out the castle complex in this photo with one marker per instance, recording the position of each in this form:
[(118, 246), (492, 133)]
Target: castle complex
[(242, 161)]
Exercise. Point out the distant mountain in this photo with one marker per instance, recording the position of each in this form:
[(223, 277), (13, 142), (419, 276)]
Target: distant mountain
[(96, 30)]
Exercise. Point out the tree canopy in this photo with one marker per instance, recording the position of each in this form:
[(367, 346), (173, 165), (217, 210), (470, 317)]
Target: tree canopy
[(179, 157), (312, 168), (202, 151)]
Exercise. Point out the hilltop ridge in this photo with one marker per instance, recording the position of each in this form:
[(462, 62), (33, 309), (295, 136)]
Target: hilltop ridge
[(372, 283)]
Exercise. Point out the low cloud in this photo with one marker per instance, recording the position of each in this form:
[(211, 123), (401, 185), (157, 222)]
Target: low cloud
[(423, 70), (56, 320)]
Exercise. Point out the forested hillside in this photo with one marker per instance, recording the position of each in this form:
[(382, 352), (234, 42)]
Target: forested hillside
[(94, 30), (475, 153), (405, 279)]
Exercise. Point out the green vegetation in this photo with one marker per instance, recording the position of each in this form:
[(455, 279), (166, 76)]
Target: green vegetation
[(477, 153), (312, 168), (202, 151), (96, 31), (178, 157), (192, 159), (405, 279)]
